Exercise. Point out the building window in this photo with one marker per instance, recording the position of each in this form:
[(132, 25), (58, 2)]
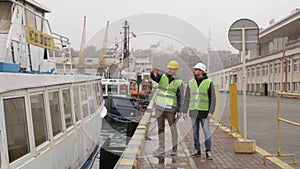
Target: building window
[(55, 112), (278, 86), (270, 87), (67, 107), (39, 119), (16, 128), (271, 68), (253, 71), (252, 87), (265, 70), (296, 65), (257, 71), (277, 67), (258, 87)]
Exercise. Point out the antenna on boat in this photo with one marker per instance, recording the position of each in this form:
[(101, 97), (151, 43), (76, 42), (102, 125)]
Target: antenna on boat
[(81, 65)]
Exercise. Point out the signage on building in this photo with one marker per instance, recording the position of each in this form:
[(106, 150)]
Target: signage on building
[(39, 38)]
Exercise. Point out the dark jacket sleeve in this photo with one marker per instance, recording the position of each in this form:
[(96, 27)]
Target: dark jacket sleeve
[(212, 98), (180, 98), (186, 100), (155, 78)]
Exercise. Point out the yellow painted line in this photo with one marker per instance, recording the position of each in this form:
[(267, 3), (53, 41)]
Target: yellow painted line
[(261, 151), (141, 127), (134, 142), (137, 136), (275, 160), (128, 161), (133, 151)]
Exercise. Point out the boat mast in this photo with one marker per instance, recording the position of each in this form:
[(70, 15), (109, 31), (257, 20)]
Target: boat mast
[(102, 63), (81, 66), (126, 53)]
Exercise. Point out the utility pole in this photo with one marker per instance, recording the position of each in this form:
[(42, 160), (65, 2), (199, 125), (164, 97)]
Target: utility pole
[(208, 50)]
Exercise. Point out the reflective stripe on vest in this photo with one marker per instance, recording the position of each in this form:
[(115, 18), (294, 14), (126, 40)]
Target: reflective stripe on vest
[(166, 93), (199, 95)]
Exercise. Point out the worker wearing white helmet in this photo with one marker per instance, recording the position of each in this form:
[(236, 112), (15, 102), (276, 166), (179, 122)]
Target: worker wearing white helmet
[(168, 101), (200, 100)]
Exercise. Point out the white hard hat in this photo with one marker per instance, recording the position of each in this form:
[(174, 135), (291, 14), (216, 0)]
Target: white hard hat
[(200, 66)]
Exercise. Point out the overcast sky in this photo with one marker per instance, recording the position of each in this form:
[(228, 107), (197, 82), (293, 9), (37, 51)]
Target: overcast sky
[(66, 16)]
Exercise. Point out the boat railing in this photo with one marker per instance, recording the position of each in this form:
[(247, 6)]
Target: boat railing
[(60, 56), (62, 50)]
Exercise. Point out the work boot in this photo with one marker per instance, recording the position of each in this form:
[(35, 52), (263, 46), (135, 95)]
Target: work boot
[(159, 151), (196, 154), (209, 155)]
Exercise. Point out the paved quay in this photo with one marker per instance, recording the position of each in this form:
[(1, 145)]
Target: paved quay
[(262, 123), (222, 148), (262, 127)]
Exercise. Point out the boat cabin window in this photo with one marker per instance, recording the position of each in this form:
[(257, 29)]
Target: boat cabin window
[(113, 89), (91, 93), (89, 89), (92, 106), (104, 89), (83, 92), (30, 18), (76, 103), (123, 89), (55, 112), (99, 99), (5, 16), (85, 110), (84, 101), (16, 128), (39, 119), (67, 107)]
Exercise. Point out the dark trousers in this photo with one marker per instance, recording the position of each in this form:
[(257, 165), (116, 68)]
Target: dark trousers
[(161, 116)]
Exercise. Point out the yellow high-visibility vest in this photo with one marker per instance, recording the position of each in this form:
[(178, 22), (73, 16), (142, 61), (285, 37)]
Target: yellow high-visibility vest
[(199, 95), (166, 93)]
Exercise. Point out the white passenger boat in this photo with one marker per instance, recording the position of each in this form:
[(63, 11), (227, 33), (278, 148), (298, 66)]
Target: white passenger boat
[(48, 119)]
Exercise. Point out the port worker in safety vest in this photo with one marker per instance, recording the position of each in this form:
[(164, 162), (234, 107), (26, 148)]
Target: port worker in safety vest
[(200, 100), (168, 101)]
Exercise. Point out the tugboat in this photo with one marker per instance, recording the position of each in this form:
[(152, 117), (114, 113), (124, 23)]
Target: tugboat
[(50, 118)]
